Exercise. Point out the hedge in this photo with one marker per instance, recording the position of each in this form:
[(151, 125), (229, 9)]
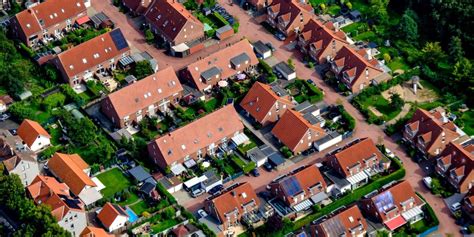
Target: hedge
[(221, 19), (351, 123), (246, 168), (162, 190)]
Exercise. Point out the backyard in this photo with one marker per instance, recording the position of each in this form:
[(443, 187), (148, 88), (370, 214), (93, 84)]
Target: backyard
[(302, 91), (115, 181)]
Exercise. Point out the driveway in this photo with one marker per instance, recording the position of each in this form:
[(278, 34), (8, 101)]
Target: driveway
[(8, 124)]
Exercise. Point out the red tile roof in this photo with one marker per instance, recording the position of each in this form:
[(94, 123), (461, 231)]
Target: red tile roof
[(138, 6), (343, 222), (99, 50), (109, 213), (90, 231), (49, 12), (323, 38), (294, 12), (461, 160), (70, 169), (145, 92), (30, 130)]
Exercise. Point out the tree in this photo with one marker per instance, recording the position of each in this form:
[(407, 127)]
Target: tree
[(142, 69), (387, 58), (432, 53), (378, 10), (149, 36), (396, 101), (409, 27), (349, 5), (455, 49), (463, 74), (291, 63)]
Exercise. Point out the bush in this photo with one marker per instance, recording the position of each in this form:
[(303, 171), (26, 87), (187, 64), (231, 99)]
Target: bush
[(350, 121), (286, 151), (53, 101), (71, 95), (169, 213), (149, 36), (221, 20)]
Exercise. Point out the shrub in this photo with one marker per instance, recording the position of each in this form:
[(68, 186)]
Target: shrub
[(221, 20), (387, 57), (286, 151), (53, 101), (149, 36)]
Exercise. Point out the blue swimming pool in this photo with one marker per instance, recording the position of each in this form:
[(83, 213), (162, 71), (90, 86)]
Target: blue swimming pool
[(132, 217)]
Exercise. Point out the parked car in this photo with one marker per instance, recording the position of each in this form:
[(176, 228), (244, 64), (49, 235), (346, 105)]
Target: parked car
[(311, 82), (389, 153), (4, 117), (280, 36), (268, 167), (216, 189), (455, 207), (202, 213), (255, 172), (270, 45), (197, 192), (427, 181)]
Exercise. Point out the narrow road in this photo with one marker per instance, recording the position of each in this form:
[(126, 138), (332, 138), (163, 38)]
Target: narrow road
[(252, 30)]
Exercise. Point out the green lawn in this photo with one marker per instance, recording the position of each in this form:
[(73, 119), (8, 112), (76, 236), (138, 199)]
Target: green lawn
[(355, 28), (114, 181), (398, 63), (334, 10), (55, 134), (382, 105), (210, 105), (360, 5), (133, 198), (365, 36), (139, 207), (468, 119), (157, 228)]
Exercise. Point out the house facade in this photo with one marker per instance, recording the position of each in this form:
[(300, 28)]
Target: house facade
[(99, 55), (348, 222), (34, 136), (112, 217), (47, 21), (137, 7), (288, 16), (196, 139), (155, 93), (456, 164)]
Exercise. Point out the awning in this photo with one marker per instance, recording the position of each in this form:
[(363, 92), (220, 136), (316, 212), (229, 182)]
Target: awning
[(395, 223), (303, 205), (321, 196), (410, 214), (189, 163), (355, 179), (178, 169), (125, 61), (240, 139), (180, 47), (83, 20)]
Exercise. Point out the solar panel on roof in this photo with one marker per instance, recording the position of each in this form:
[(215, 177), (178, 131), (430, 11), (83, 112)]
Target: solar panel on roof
[(384, 201), (291, 186), (118, 39)]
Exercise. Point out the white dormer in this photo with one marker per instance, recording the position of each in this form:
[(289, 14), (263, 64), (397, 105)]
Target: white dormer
[(84, 60)]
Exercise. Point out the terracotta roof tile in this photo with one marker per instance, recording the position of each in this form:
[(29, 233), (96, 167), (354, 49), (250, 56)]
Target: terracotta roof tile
[(109, 213), (70, 169), (90, 231), (292, 11), (139, 6), (343, 222), (30, 130)]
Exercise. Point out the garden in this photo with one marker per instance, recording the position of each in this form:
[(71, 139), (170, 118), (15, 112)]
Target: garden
[(302, 90)]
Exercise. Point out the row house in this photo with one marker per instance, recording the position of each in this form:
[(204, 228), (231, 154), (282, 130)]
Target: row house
[(75, 173), (91, 231), (303, 134), (358, 161), (320, 41), (233, 204), (137, 7), (69, 211), (222, 65), (394, 206), (155, 93), (99, 55), (113, 217), (266, 103), (431, 131), (288, 16), (301, 188), (356, 69), (456, 163), (348, 222), (197, 139), (468, 204), (33, 135), (47, 21), (182, 32)]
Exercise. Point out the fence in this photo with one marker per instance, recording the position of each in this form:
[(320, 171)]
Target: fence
[(232, 177), (429, 231)]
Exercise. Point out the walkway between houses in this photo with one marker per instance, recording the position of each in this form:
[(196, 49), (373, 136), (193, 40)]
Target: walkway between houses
[(257, 132), (406, 108)]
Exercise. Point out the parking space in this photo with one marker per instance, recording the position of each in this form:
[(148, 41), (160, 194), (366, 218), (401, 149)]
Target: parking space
[(8, 124)]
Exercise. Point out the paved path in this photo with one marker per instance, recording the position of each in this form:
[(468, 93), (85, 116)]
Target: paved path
[(250, 29), (406, 108)]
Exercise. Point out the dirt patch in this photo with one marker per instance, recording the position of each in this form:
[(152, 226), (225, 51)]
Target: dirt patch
[(375, 111), (405, 90)]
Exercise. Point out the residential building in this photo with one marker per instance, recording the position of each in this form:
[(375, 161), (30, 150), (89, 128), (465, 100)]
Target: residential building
[(233, 204), (112, 216), (356, 69), (18, 158), (348, 222), (75, 172), (301, 188), (456, 164), (303, 134), (68, 211), (196, 139), (266, 103), (468, 204), (187, 230), (182, 32), (155, 93), (394, 206), (47, 21), (90, 231), (99, 55), (222, 65), (431, 131), (137, 7), (358, 161), (289, 16), (33, 135), (320, 42)]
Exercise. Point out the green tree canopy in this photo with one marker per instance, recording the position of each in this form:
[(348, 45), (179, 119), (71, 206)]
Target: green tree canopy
[(409, 28)]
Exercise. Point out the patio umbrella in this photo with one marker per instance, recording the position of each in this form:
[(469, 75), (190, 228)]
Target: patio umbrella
[(223, 83), (205, 164), (241, 76)]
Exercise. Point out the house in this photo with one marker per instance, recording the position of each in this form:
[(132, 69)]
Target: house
[(358, 161), (17, 158), (262, 50), (155, 93), (468, 204), (266, 103), (112, 217), (181, 31), (301, 188), (33, 135), (95, 56), (69, 211), (430, 131), (355, 70), (224, 32), (147, 184), (286, 71), (234, 203), (90, 231), (171, 183), (187, 230), (348, 222), (257, 155), (320, 41), (75, 172), (394, 206), (456, 164), (297, 133), (225, 64), (197, 139), (46, 21), (137, 7), (288, 16)]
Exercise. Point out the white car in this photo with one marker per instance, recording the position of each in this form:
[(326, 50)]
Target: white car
[(455, 207), (427, 181), (202, 213), (389, 153)]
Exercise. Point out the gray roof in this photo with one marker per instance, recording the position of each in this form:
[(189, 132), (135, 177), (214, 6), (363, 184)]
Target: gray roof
[(313, 119), (139, 173), (147, 187), (327, 138), (260, 47), (303, 106), (256, 154), (282, 66), (276, 158), (224, 29), (99, 18), (212, 178), (239, 59), (210, 73), (279, 90), (130, 78)]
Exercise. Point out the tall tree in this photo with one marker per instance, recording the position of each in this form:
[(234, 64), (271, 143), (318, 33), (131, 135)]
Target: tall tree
[(432, 53), (455, 49), (409, 28)]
